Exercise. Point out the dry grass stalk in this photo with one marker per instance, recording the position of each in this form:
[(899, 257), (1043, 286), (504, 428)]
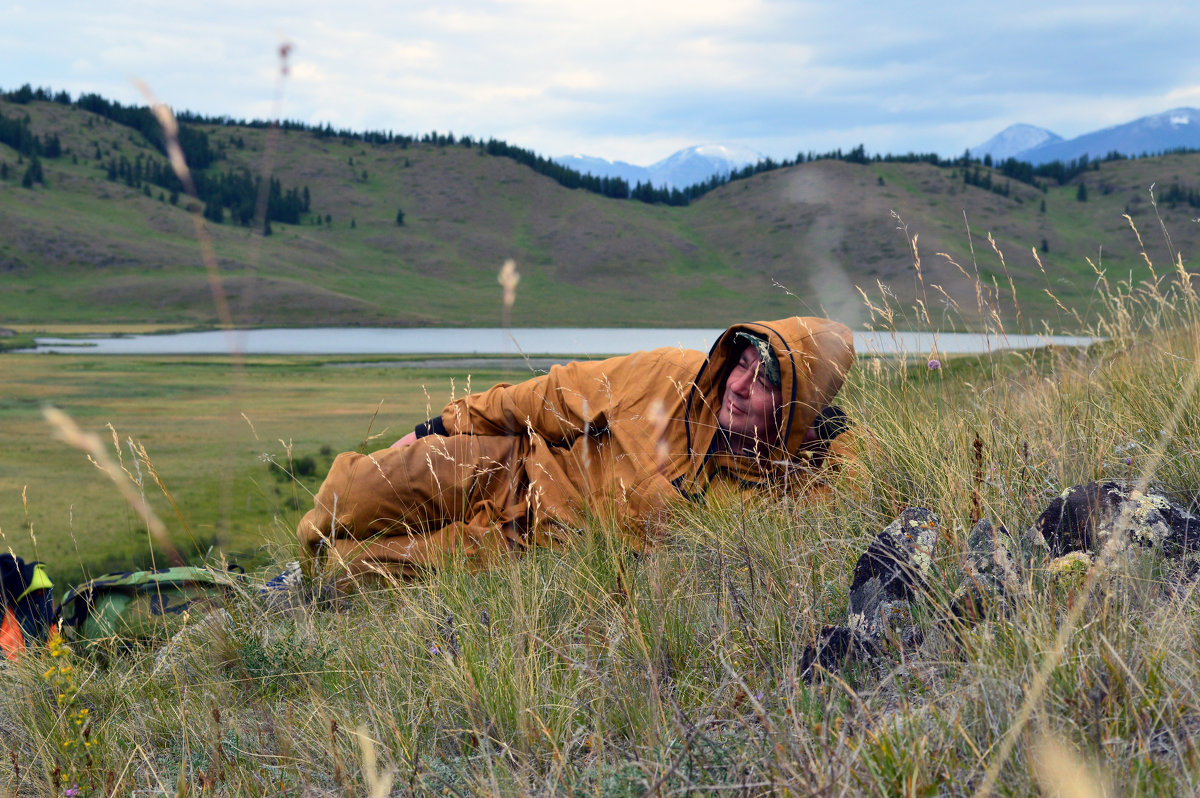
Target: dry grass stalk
[(66, 430), (1062, 772)]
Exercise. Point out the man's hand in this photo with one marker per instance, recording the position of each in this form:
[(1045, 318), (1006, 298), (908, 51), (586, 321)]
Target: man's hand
[(405, 441)]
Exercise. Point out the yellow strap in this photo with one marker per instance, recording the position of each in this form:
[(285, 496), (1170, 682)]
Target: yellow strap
[(40, 581)]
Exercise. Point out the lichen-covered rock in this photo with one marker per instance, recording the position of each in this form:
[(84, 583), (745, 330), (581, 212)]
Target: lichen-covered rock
[(1086, 517), (890, 573), (834, 648), (992, 571), (992, 558), (1070, 570), (888, 576)]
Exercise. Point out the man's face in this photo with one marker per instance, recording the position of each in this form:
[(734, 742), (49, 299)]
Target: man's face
[(750, 403)]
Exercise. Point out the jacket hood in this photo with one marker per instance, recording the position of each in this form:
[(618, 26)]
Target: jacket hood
[(814, 355)]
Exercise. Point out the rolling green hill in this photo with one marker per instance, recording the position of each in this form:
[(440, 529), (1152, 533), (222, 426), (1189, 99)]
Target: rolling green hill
[(83, 248)]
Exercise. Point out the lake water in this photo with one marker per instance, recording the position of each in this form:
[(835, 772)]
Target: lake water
[(495, 341)]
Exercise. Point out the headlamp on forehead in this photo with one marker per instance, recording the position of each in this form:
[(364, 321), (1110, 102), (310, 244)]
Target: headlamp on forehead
[(770, 363)]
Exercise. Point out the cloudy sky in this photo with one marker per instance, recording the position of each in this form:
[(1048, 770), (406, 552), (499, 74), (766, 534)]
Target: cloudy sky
[(633, 80)]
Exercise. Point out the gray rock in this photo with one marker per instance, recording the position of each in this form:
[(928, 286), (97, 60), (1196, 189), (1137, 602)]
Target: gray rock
[(1086, 517), (889, 575), (176, 654), (992, 571), (891, 572), (834, 648)]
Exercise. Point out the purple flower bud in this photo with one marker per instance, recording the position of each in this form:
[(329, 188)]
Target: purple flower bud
[(934, 364), (1128, 461)]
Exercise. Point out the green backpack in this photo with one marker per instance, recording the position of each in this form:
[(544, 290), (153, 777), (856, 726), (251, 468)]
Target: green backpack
[(138, 606)]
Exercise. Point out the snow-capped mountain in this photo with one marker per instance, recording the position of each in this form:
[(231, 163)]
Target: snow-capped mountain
[(1174, 129), (678, 170), (1014, 140), (1179, 127), (589, 165), (697, 164)]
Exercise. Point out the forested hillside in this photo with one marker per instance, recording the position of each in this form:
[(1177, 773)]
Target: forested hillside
[(411, 230)]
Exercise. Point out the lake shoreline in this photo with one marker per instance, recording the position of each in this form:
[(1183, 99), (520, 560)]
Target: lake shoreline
[(572, 342)]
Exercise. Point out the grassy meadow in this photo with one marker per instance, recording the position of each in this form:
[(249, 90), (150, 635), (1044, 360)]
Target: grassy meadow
[(593, 671), (83, 248), (210, 428)]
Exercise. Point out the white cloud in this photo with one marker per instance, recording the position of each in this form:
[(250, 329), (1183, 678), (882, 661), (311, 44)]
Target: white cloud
[(631, 79), (579, 79), (1185, 95)]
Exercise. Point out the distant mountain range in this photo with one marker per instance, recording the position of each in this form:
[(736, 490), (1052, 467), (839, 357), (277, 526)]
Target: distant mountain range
[(679, 170), (1170, 130)]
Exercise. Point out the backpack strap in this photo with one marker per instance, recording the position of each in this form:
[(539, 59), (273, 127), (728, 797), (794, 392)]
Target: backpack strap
[(79, 604), (39, 580)]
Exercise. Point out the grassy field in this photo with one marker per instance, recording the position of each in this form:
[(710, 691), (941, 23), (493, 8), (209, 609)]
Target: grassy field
[(211, 431), (592, 671)]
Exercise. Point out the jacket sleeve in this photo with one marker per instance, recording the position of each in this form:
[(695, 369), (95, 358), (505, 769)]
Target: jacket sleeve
[(572, 400)]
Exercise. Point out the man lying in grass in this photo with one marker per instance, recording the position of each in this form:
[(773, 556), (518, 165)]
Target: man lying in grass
[(617, 441)]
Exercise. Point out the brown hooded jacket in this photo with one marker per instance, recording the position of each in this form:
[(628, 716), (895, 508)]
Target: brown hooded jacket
[(618, 439)]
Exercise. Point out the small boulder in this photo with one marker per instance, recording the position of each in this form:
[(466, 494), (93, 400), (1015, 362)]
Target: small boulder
[(1085, 517), (992, 571), (834, 648), (890, 574)]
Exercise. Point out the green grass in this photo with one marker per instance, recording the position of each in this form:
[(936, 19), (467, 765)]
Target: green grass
[(591, 671), (83, 249), (17, 341), (188, 413)]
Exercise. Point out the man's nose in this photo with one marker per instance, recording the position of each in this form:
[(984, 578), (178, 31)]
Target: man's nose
[(742, 380)]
